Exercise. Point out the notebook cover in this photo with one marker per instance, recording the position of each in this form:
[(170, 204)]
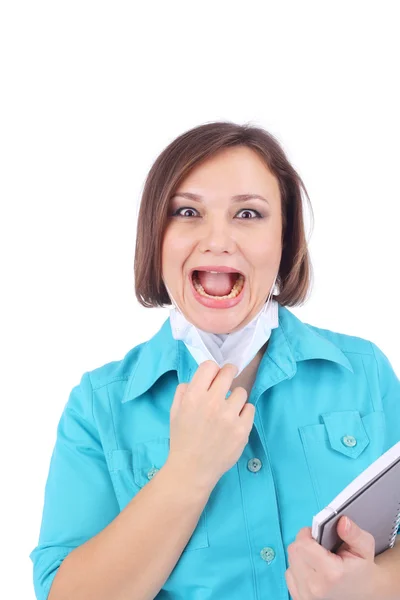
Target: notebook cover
[(376, 509)]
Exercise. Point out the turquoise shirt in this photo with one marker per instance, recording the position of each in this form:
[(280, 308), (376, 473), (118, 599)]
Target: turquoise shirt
[(314, 389)]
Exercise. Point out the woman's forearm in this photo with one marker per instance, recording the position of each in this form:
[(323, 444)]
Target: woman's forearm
[(135, 554), (389, 573)]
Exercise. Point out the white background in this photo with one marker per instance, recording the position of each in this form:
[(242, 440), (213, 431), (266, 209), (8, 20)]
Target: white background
[(91, 92)]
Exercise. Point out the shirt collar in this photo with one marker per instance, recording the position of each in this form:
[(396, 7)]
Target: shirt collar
[(292, 341)]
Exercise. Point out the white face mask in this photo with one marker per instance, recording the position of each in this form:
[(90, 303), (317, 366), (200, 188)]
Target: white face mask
[(238, 348)]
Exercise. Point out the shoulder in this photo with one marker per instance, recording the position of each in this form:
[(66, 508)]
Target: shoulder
[(352, 345), (92, 387), (347, 343), (116, 370)]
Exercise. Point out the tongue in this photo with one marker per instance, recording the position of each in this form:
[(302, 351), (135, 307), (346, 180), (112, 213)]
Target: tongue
[(217, 284)]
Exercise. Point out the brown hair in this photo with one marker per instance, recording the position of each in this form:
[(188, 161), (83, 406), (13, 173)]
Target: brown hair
[(174, 164)]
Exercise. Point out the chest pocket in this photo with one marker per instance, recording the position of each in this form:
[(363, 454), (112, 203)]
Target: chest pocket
[(131, 470), (340, 448)]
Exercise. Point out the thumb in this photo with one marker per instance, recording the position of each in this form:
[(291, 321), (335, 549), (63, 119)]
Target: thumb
[(176, 402), (357, 541)]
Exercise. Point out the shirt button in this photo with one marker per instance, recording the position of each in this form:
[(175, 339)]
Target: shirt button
[(152, 472), (267, 554), (349, 440), (254, 465)]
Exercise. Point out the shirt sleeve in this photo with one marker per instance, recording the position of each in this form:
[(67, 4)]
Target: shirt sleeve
[(390, 391), (389, 385), (79, 499)]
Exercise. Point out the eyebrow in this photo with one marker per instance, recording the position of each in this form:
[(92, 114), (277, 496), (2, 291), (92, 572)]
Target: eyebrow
[(237, 198)]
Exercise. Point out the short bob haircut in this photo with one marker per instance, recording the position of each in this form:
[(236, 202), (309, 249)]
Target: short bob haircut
[(175, 163)]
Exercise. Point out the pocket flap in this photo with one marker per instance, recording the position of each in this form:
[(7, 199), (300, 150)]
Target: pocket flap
[(148, 458), (346, 432)]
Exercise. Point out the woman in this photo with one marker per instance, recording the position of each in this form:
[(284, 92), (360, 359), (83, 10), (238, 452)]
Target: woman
[(193, 467)]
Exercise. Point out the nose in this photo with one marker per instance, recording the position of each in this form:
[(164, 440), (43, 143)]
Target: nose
[(217, 236)]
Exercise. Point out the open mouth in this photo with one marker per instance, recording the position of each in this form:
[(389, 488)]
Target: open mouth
[(236, 286)]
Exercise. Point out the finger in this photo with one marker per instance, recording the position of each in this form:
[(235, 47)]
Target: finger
[(304, 534), (296, 558), (179, 393), (358, 541), (291, 585), (247, 418), (301, 571), (204, 376), (316, 556), (223, 381), (237, 400), (321, 560)]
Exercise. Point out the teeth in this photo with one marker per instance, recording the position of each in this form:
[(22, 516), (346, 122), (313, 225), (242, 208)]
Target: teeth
[(237, 288)]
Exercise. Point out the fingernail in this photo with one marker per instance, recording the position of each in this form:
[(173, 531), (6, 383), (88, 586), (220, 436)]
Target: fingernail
[(347, 525)]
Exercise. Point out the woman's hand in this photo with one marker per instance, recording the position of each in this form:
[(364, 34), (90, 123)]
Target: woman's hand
[(314, 573), (208, 432)]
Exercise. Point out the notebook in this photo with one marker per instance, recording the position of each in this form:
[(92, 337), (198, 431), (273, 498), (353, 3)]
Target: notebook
[(371, 500)]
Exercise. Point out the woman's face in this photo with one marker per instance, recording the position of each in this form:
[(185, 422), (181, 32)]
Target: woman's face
[(219, 231)]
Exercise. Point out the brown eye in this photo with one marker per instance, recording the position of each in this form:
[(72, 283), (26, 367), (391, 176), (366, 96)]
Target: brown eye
[(177, 213), (185, 208), (248, 210)]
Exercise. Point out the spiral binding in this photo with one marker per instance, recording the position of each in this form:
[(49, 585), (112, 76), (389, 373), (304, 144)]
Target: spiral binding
[(395, 528)]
